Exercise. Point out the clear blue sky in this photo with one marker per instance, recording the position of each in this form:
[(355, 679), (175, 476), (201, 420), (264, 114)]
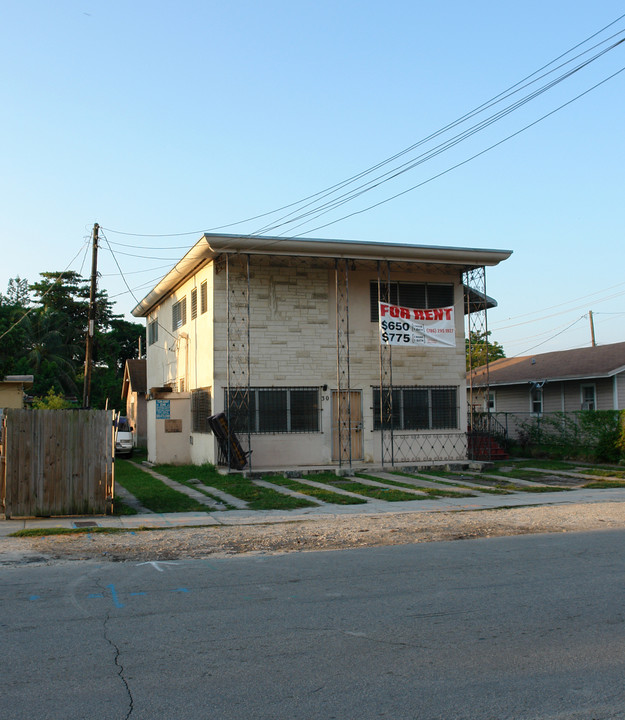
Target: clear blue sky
[(160, 117)]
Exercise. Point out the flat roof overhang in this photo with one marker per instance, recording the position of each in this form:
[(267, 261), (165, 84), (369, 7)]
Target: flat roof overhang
[(209, 247)]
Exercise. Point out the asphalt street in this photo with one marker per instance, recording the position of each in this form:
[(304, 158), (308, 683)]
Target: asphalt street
[(525, 627)]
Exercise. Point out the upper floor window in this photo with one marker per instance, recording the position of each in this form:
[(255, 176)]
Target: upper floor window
[(179, 314), (152, 331), (193, 303), (413, 295), (203, 297)]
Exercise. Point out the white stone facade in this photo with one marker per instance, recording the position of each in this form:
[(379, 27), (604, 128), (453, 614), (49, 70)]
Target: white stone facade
[(293, 343), (290, 292)]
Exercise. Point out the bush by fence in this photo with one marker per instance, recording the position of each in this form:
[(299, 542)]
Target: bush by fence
[(588, 434)]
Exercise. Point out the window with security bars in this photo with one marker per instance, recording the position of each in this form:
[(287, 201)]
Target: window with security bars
[(152, 332), (274, 410), (193, 303), (179, 314), (200, 410), (203, 297), (423, 296), (417, 408)]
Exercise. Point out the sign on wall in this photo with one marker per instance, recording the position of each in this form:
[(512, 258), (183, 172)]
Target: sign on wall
[(163, 409), (409, 326)]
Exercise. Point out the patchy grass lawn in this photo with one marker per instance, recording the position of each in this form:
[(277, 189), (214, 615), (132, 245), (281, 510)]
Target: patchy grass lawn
[(446, 478), (44, 532), (257, 497), (152, 493), (120, 508), (376, 493), (602, 484), (326, 496)]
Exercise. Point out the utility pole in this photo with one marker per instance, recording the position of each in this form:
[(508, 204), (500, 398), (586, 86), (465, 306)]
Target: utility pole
[(86, 393), (592, 329)]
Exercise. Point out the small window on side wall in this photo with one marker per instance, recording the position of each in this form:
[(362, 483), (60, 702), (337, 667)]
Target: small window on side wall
[(589, 397), (536, 400), (201, 410), (179, 314), (152, 331), (203, 297)]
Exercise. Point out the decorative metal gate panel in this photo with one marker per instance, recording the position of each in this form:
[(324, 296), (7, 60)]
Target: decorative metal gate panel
[(386, 373), (343, 396), (479, 446), (238, 352)]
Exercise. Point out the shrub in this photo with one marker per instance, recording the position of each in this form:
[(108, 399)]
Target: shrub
[(52, 401), (588, 434)]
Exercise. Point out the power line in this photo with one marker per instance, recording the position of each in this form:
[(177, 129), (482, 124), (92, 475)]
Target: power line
[(463, 162), (533, 319), (129, 288), (552, 307), (338, 186), (436, 150), (521, 354), (58, 280)]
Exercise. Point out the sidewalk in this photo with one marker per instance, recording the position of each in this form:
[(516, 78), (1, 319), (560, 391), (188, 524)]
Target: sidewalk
[(256, 517)]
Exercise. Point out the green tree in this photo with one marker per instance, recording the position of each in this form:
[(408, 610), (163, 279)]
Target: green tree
[(49, 340), (48, 353), (13, 307), (481, 349), (18, 292), (52, 401)]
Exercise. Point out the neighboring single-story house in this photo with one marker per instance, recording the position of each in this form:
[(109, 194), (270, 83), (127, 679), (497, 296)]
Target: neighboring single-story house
[(134, 390), (12, 390), (287, 338), (591, 378)]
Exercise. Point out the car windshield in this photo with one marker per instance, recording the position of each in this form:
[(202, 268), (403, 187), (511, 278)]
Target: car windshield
[(123, 426)]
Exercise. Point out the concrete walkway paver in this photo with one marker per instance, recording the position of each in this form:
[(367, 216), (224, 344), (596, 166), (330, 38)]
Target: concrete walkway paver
[(196, 495)]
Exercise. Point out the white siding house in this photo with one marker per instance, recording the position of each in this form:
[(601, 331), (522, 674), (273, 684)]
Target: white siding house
[(288, 330), (590, 378)]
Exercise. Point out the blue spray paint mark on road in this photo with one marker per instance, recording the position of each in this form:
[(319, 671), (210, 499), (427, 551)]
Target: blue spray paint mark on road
[(95, 596), (114, 596), (137, 593), (34, 597), (181, 590)]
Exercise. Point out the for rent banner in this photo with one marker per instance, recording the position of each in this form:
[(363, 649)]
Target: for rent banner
[(408, 326)]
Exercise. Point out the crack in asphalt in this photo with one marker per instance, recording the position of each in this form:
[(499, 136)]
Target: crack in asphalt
[(119, 666), (117, 656)]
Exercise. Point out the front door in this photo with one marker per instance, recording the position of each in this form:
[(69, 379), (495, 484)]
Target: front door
[(347, 425)]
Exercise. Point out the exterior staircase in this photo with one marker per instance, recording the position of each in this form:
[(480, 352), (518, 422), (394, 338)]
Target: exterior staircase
[(484, 447), (486, 438)]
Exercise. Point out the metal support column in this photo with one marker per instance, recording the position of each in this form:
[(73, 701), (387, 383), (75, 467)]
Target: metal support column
[(238, 351), (477, 349), (344, 410), (386, 372)]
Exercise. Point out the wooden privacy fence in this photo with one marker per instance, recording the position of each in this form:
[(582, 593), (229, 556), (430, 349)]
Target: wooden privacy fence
[(56, 462)]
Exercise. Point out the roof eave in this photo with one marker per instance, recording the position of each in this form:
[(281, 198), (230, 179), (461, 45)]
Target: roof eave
[(547, 380), (211, 246)]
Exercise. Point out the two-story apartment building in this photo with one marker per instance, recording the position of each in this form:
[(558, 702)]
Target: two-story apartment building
[(284, 337)]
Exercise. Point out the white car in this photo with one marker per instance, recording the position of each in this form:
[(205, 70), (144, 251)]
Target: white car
[(124, 443)]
